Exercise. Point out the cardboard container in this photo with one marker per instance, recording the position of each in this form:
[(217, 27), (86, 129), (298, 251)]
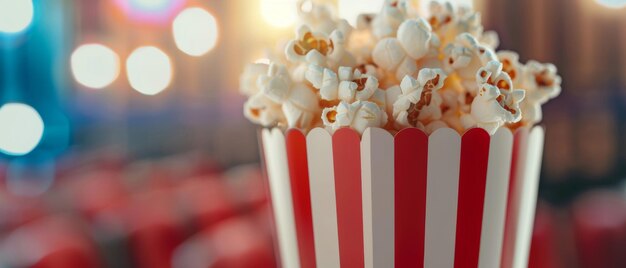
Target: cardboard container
[(408, 200)]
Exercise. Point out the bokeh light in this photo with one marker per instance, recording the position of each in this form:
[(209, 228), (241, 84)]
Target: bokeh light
[(195, 31), (95, 65), (151, 11), (149, 70), (612, 3), (279, 13), (15, 15), (21, 129)]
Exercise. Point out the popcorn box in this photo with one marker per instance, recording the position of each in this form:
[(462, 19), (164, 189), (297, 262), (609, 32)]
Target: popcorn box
[(408, 200)]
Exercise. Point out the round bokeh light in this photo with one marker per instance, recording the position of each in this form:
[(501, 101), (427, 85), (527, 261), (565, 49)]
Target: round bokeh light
[(95, 65), (149, 70), (15, 15), (22, 128), (195, 31)]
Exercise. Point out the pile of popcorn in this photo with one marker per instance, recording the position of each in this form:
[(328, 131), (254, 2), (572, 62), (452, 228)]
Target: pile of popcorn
[(396, 70)]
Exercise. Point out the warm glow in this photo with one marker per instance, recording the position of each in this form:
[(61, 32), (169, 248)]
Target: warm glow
[(21, 128), (95, 65), (195, 31), (149, 70), (350, 9), (612, 3), (263, 61), (15, 15), (462, 3), (279, 13)]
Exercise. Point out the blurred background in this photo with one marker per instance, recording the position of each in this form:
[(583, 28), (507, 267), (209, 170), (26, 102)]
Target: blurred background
[(123, 143)]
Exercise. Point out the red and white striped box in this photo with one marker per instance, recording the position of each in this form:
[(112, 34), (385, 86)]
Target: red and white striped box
[(408, 200)]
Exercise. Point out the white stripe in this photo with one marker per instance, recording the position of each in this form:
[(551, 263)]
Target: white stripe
[(529, 186), (444, 153), (323, 200), (280, 189), (496, 192), (377, 169)]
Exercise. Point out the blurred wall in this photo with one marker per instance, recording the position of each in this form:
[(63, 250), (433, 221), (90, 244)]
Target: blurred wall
[(587, 123)]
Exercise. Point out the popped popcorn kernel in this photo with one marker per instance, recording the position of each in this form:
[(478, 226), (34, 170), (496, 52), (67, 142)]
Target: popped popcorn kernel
[(496, 103), (319, 17), (263, 111), (309, 46), (420, 100), (349, 84), (512, 66), (386, 22), (248, 80), (309, 42), (441, 14), (542, 83), (394, 70), (358, 115)]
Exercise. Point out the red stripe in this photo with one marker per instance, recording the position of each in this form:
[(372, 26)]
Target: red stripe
[(301, 195), (510, 226), (411, 160), (347, 164), (472, 181)]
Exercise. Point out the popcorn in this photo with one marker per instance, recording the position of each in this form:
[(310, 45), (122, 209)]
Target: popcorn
[(339, 56), (309, 47), (361, 40), (453, 119), (320, 18), (325, 80), (542, 80), (299, 103), (512, 66), (497, 102), (490, 39), (249, 78), (400, 55), (467, 22), (415, 35), (441, 15), (448, 22), (389, 54), (392, 95), (386, 23), (542, 84), (420, 100), (358, 115), (348, 85), (364, 21), (396, 70), (464, 57), (263, 111), (371, 69)]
